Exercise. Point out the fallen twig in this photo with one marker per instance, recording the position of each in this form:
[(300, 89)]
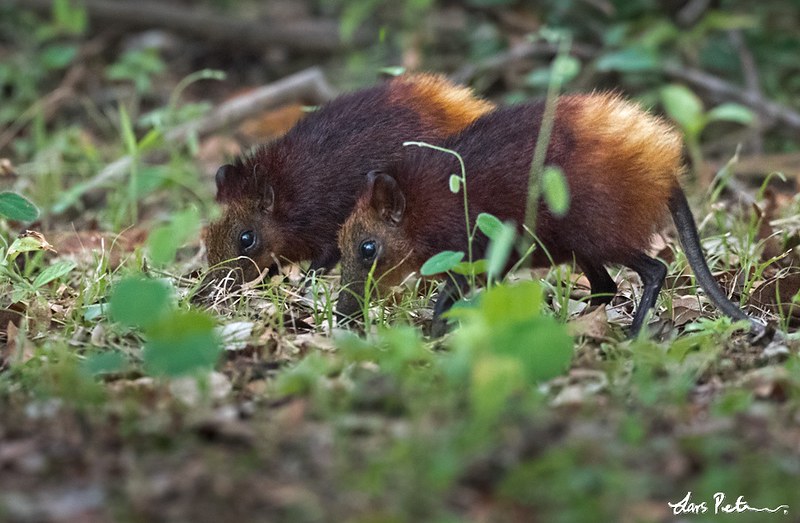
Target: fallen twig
[(517, 53), (312, 35), (774, 112), (308, 86)]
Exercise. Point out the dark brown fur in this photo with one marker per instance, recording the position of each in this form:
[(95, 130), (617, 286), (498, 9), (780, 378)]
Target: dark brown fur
[(621, 166), (294, 193)]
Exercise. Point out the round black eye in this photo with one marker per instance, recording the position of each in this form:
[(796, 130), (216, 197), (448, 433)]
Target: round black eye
[(247, 240), (368, 250)]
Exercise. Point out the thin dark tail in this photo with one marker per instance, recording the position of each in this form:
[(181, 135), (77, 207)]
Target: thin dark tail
[(690, 239)]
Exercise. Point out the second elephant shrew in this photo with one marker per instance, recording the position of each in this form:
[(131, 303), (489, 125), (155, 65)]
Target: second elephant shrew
[(621, 166)]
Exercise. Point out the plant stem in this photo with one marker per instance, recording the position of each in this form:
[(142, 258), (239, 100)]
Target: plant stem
[(543, 139), (463, 178)]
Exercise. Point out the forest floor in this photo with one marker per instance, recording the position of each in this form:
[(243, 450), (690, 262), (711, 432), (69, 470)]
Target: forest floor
[(263, 409)]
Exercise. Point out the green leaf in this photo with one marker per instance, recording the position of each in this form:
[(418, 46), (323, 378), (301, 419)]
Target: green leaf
[(161, 245), (542, 345), (30, 242), (104, 363), (164, 241), (94, 311), (151, 140), (455, 183), (139, 302), (355, 13), (555, 190), (538, 77), (552, 34), (181, 343), (563, 70), (489, 225), (511, 303), (186, 224), (466, 268), (128, 136), (731, 112), (566, 68), (393, 71), (508, 324), (72, 20), (630, 60), (53, 272), (58, 56), (499, 249), (722, 21), (683, 106), (494, 379), (16, 207), (303, 377), (442, 262)]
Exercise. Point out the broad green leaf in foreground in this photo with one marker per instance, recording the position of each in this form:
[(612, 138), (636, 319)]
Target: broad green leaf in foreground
[(442, 262), (489, 225), (139, 302), (16, 207), (182, 342), (507, 323), (499, 249), (53, 272)]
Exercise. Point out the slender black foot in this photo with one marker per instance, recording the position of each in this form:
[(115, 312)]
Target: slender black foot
[(652, 272), (453, 289), (324, 263), (274, 270), (320, 267), (602, 285)]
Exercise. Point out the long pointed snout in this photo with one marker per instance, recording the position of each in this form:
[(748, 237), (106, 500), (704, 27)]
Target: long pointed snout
[(348, 305)]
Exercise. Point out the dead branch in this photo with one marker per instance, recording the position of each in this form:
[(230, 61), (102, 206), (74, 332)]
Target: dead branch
[(760, 165), (773, 112), (752, 82), (313, 35), (502, 60), (307, 86)]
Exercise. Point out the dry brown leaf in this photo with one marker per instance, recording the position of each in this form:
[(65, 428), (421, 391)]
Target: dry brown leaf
[(271, 124), (9, 316), (256, 387), (7, 168), (685, 309), (776, 295), (216, 150), (768, 382), (593, 324), (12, 353), (35, 242), (766, 234)]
